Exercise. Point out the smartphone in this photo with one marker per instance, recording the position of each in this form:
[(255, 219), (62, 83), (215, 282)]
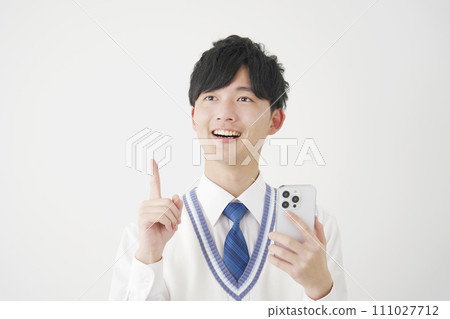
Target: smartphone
[(300, 200)]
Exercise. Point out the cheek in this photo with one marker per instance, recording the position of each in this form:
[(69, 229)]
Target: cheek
[(201, 119), (248, 118), (257, 122), (198, 114), (259, 114)]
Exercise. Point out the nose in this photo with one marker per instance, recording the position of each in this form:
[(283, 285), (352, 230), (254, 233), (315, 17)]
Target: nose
[(226, 111)]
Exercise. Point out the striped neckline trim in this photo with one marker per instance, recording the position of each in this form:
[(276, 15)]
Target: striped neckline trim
[(236, 289)]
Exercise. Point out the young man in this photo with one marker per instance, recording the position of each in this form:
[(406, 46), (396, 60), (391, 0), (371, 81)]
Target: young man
[(215, 243)]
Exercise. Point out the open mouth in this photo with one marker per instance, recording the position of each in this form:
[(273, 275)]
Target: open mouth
[(226, 134)]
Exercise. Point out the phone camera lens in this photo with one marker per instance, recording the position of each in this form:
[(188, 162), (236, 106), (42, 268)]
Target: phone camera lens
[(286, 194), (295, 199), (285, 204)]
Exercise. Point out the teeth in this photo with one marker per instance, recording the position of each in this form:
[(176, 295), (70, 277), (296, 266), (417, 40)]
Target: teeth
[(226, 133)]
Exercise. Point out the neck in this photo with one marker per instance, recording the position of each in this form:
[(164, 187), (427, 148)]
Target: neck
[(235, 179)]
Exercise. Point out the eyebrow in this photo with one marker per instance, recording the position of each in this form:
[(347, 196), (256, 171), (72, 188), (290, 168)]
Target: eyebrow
[(239, 88)]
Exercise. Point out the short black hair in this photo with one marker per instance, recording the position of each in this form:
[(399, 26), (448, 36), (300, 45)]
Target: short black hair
[(218, 66)]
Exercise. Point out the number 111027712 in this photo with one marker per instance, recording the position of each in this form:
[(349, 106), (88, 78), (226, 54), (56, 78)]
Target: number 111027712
[(405, 310)]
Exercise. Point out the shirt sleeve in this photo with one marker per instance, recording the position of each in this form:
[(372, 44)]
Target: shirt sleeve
[(132, 279), (334, 258), (331, 296)]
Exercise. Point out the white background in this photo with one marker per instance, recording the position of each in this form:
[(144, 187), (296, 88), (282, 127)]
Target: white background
[(376, 103)]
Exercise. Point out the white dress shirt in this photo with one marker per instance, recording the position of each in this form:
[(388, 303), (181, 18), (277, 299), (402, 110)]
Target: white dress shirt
[(134, 280)]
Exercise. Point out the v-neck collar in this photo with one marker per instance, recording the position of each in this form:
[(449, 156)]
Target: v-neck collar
[(235, 288)]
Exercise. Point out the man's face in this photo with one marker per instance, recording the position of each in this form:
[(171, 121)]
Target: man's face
[(234, 111)]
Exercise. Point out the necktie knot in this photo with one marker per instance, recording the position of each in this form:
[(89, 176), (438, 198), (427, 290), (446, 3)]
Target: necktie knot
[(235, 211)]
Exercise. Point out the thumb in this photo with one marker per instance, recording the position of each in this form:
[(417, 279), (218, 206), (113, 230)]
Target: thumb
[(177, 201)]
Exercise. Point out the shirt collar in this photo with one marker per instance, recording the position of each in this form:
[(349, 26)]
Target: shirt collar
[(214, 198)]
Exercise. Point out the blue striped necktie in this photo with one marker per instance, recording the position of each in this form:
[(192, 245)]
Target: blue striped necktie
[(235, 254)]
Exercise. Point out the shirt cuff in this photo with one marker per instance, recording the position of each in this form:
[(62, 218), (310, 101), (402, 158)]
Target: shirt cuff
[(145, 279), (331, 296)]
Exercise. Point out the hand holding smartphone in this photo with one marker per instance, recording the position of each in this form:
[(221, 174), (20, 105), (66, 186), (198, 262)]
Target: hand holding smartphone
[(300, 200)]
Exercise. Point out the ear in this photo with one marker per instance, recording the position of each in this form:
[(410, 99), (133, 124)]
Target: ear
[(276, 122), (193, 122)]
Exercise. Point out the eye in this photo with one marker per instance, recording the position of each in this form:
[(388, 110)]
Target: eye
[(248, 99), (207, 98)]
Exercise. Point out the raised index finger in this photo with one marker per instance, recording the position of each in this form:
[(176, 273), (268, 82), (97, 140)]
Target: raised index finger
[(155, 185)]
